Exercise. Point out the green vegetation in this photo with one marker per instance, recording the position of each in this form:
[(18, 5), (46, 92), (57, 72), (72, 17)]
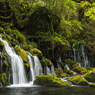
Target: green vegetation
[(78, 80), (92, 84), (49, 80), (1, 46), (22, 53), (3, 79), (90, 75)]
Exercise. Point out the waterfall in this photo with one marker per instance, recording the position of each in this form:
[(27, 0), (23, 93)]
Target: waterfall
[(67, 67), (31, 68), (75, 56), (38, 67), (18, 72), (52, 69), (85, 58)]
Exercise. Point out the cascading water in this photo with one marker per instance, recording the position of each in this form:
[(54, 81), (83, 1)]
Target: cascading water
[(31, 68), (67, 67), (19, 76), (75, 55), (85, 58), (52, 69), (38, 67)]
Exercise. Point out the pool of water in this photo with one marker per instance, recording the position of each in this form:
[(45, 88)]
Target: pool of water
[(47, 91)]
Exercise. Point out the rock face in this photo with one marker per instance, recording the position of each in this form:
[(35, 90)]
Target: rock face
[(78, 80), (49, 80), (90, 75)]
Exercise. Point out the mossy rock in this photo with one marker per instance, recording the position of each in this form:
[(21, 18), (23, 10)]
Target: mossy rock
[(17, 35), (27, 67), (49, 80), (70, 63), (58, 72), (8, 31), (22, 53), (79, 80), (3, 78), (90, 75), (76, 68), (92, 84), (64, 75), (1, 29), (83, 70), (45, 60), (69, 72), (2, 46), (36, 52)]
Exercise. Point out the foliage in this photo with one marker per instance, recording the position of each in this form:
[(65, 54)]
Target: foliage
[(49, 80), (22, 53), (36, 52), (78, 80), (2, 46), (3, 79), (90, 75)]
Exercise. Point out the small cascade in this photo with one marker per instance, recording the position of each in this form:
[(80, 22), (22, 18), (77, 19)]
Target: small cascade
[(48, 70), (75, 56), (31, 68), (52, 69), (19, 76), (85, 58), (59, 66), (38, 67), (67, 67)]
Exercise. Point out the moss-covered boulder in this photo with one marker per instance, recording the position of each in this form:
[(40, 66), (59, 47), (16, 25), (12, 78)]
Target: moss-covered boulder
[(49, 80), (83, 70), (1, 46), (78, 80), (22, 53), (69, 72), (90, 75), (64, 75), (76, 68), (92, 84), (3, 79), (1, 29), (36, 52)]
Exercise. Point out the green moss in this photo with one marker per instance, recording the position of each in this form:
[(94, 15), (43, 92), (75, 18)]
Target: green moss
[(3, 79), (2, 46), (78, 80), (68, 72), (45, 60), (83, 70), (17, 35), (49, 80), (1, 29), (70, 63), (27, 65), (92, 84), (90, 75), (64, 75), (76, 68), (58, 72), (8, 30), (22, 53), (37, 52)]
